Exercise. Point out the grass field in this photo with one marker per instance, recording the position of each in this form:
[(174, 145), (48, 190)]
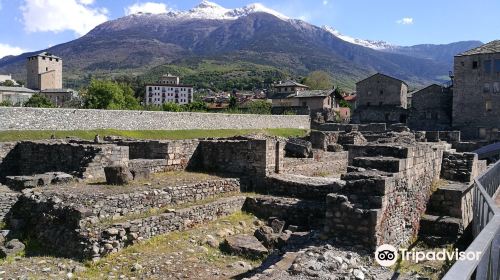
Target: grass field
[(6, 136)]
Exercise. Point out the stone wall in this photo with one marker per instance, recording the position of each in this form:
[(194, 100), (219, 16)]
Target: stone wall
[(69, 224), (306, 214), (377, 114), (83, 161), (73, 119), (459, 167), (7, 199), (431, 109), (453, 200), (302, 187), (5, 148), (448, 136), (73, 232), (372, 127), (384, 206), (322, 164), (250, 157)]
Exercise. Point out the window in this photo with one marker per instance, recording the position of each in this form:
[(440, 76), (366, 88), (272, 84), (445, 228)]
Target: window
[(380, 103), (487, 66), (474, 65), (486, 88), (482, 132), (488, 106), (497, 65), (496, 87), (381, 92), (46, 68)]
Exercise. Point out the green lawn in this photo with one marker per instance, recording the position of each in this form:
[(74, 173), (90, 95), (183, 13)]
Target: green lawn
[(147, 134)]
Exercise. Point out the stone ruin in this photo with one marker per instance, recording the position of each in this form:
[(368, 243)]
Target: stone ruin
[(363, 186)]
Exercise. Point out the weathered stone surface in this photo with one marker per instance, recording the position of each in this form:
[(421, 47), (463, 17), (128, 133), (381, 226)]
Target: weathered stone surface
[(140, 173), (245, 245), (118, 175), (11, 248), (334, 148), (298, 148), (20, 118), (267, 236), (277, 225)]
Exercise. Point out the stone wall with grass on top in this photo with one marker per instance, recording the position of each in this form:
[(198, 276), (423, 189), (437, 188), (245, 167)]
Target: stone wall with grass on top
[(77, 119)]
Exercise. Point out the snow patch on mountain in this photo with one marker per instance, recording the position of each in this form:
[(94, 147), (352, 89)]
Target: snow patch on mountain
[(211, 10), (376, 45)]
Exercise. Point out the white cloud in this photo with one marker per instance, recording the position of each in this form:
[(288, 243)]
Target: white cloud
[(6, 50), (148, 7), (405, 20), (57, 16)]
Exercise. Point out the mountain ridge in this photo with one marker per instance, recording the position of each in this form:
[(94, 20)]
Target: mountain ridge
[(136, 43)]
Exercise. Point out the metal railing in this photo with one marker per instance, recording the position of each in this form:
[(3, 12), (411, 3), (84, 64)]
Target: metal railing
[(486, 231)]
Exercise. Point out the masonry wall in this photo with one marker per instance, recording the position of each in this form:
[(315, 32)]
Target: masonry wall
[(380, 88), (255, 158), (84, 161), (73, 119), (431, 109), (323, 164), (70, 225), (379, 113), (7, 199), (472, 89), (377, 207)]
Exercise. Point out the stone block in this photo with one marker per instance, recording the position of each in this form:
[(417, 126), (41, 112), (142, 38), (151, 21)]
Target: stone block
[(118, 175)]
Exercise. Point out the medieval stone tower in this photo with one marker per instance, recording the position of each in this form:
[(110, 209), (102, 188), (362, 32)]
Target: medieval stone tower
[(44, 71)]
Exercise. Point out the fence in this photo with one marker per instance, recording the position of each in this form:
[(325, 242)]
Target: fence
[(486, 230)]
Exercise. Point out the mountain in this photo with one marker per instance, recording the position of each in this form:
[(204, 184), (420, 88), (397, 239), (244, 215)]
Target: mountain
[(253, 35)]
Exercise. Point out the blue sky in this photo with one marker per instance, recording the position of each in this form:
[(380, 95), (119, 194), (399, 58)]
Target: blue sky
[(29, 25)]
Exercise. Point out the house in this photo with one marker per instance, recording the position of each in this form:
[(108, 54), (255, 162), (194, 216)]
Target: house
[(351, 99), (4, 78), (431, 109), (168, 89), (59, 97), (476, 92), (381, 98), (15, 95), (289, 87), (305, 101)]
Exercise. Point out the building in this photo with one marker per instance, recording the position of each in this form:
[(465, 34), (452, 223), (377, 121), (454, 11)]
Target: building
[(59, 97), (15, 95), (476, 92), (289, 87), (431, 109), (168, 89), (4, 78), (44, 71), (381, 98), (304, 101)]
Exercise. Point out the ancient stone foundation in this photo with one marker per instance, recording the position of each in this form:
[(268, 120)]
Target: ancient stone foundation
[(384, 203)]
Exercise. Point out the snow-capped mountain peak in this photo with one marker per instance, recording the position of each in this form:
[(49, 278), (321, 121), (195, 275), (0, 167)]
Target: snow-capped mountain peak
[(211, 10), (376, 45)]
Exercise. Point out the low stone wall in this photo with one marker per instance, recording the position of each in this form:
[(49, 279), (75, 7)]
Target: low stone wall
[(303, 213), (302, 187), (101, 240), (253, 157), (370, 127), (448, 136), (459, 167), (322, 139), (7, 199), (453, 200), (83, 161), (75, 119), (322, 164), (5, 148)]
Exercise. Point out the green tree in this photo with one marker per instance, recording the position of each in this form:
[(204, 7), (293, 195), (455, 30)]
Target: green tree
[(197, 106), (319, 80), (110, 95), (8, 83), (172, 107), (259, 107), (6, 103), (233, 103), (39, 101)]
